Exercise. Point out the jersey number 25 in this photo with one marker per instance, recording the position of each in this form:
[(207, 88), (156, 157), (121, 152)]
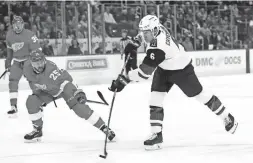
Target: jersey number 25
[(54, 75)]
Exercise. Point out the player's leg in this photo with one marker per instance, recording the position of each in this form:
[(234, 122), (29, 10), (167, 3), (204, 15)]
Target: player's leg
[(160, 86), (34, 104), (134, 60), (16, 72), (76, 100), (188, 82), (128, 65)]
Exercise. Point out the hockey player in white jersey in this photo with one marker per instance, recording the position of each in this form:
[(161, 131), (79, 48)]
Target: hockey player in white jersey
[(170, 65)]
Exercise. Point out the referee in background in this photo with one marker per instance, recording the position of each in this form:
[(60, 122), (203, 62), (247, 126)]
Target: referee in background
[(129, 46)]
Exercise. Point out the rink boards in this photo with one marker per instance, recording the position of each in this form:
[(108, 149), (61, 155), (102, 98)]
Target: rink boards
[(101, 69)]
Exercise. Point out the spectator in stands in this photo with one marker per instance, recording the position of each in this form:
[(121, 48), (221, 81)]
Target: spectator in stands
[(3, 50), (38, 23), (214, 40), (36, 31), (131, 14), (2, 32), (108, 16), (123, 17), (81, 31), (47, 49), (188, 44), (205, 32), (49, 24), (45, 34), (221, 47), (199, 45), (74, 49), (7, 22)]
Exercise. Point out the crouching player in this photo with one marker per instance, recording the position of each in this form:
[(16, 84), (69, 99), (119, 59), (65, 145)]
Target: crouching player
[(49, 83)]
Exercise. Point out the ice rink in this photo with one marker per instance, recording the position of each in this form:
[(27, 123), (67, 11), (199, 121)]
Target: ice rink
[(192, 133)]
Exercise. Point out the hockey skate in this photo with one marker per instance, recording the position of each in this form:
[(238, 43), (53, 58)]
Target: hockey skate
[(230, 124), (34, 136), (111, 134), (13, 112), (154, 142)]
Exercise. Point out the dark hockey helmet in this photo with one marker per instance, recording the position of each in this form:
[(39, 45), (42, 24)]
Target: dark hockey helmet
[(38, 61), (18, 24)]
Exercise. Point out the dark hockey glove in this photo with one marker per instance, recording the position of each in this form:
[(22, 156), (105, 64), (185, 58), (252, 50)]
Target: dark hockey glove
[(119, 83)]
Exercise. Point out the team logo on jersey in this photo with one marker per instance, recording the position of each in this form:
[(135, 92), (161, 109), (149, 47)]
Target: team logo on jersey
[(153, 43), (17, 46), (40, 86)]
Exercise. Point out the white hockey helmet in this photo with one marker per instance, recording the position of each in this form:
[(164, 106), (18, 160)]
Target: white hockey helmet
[(150, 22)]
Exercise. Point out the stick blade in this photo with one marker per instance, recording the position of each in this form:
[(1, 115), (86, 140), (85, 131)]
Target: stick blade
[(102, 97), (102, 156)]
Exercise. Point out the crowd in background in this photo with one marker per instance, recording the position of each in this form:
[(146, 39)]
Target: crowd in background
[(199, 25)]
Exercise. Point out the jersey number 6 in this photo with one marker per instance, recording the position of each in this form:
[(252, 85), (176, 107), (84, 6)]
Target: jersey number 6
[(54, 75), (152, 56)]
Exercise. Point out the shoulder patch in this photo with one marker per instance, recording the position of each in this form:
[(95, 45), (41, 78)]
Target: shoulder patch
[(153, 43)]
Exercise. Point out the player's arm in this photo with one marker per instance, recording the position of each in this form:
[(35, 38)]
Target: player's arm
[(9, 53), (59, 78), (153, 58), (27, 72), (121, 48), (136, 41)]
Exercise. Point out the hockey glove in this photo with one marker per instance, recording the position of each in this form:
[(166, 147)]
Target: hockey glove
[(119, 83)]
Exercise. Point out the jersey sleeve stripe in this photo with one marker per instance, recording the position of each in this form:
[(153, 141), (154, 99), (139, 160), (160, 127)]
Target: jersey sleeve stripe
[(142, 74), (144, 77)]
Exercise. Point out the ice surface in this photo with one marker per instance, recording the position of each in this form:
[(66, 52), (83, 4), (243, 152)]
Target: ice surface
[(192, 133)]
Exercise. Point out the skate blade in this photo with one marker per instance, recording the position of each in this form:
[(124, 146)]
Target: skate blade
[(13, 116), (233, 129), (153, 147), (35, 140)]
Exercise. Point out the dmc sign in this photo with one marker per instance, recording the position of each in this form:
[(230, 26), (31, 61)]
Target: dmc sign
[(211, 61)]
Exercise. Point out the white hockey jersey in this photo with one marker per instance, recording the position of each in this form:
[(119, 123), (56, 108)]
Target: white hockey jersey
[(164, 52)]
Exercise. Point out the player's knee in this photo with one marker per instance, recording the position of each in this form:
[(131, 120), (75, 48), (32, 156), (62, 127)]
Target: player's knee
[(33, 104), (83, 111), (193, 91), (13, 84), (203, 96), (78, 97), (157, 98)]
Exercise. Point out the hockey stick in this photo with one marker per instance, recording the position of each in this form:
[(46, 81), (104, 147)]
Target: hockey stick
[(100, 95), (3, 74), (96, 102), (110, 114)]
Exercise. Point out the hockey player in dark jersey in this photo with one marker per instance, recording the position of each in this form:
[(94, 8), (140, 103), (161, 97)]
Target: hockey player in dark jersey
[(49, 83), (20, 42), (170, 65), (129, 46)]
